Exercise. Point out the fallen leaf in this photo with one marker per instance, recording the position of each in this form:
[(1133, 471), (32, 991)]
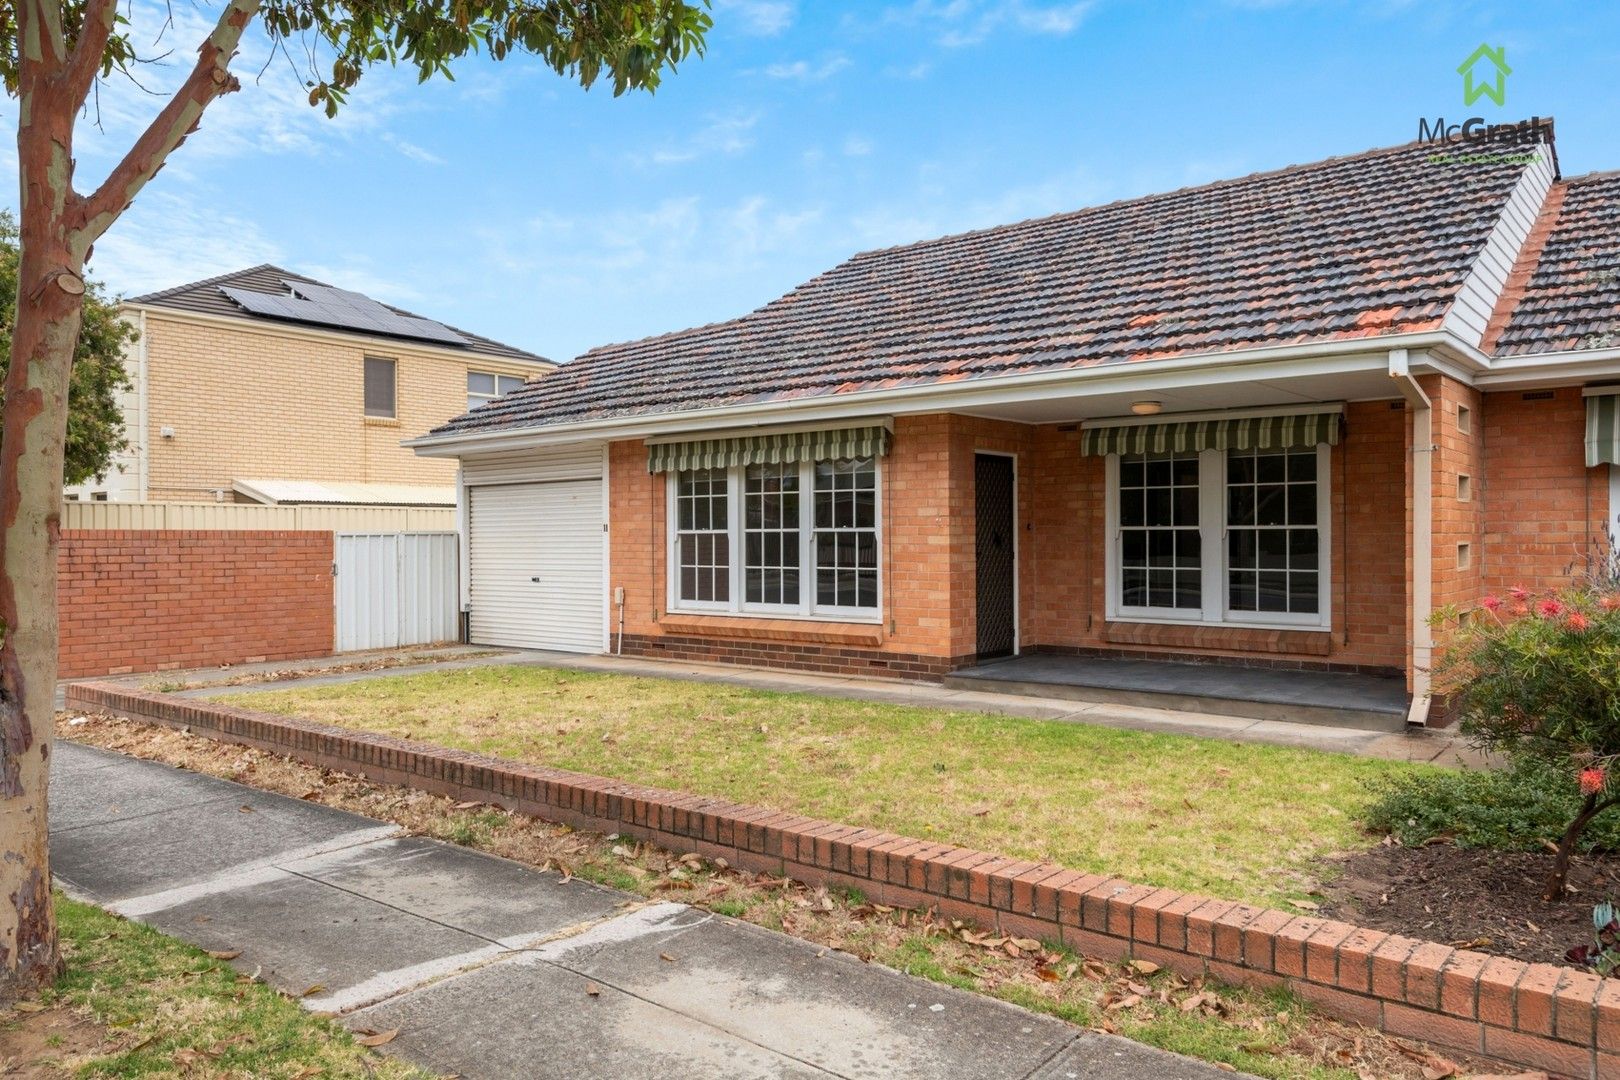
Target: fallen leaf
[(1144, 967), (380, 1038), (1046, 974), (468, 805), (666, 956), (1026, 944), (29, 1007), (224, 954), (1305, 905), (313, 990), (593, 990)]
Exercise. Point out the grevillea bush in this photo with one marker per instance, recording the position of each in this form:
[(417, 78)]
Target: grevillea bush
[(1603, 955), (1537, 677)]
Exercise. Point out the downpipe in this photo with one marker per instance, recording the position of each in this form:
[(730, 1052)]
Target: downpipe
[(1417, 715)]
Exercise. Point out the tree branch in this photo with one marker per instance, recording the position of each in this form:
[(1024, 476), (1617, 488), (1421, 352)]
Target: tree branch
[(210, 79), (85, 60)]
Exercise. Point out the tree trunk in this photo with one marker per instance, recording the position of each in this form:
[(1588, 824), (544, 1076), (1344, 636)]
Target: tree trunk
[(33, 428), (1590, 808)]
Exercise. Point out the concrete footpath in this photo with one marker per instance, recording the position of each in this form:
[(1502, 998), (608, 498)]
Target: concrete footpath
[(489, 969)]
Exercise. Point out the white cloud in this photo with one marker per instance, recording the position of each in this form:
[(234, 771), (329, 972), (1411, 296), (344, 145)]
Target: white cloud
[(761, 18), (856, 146), (958, 23), (727, 134), (166, 239), (411, 150), (804, 71)]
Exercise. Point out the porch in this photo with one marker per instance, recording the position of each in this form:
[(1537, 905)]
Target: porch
[(1311, 696)]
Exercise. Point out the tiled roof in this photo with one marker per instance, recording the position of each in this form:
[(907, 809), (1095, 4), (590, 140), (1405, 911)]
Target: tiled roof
[(206, 298), (1363, 246), (1572, 296)]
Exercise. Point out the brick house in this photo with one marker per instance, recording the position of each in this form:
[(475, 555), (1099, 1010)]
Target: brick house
[(265, 386), (1270, 423)]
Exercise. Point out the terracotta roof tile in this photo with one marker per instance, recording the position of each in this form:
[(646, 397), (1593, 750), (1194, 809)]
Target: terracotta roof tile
[(1364, 246), (1571, 299)]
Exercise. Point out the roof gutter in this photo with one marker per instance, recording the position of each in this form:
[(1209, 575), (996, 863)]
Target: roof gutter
[(1351, 354), (1422, 522)]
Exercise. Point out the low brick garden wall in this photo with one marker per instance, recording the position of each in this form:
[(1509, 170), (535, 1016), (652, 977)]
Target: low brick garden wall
[(1538, 1016)]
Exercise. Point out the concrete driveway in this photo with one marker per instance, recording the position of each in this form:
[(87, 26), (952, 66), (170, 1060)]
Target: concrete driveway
[(489, 969)]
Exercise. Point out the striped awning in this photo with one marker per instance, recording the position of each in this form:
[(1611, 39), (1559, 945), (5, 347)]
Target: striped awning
[(1602, 429), (1230, 433), (831, 444)]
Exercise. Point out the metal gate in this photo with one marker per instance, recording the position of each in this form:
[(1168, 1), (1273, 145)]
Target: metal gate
[(996, 565), (394, 589)]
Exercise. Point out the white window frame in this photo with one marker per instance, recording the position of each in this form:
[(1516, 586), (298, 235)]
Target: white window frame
[(485, 399), (1214, 579), (806, 608)]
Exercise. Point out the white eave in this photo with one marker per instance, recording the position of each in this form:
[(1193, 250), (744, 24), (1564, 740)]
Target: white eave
[(343, 493)]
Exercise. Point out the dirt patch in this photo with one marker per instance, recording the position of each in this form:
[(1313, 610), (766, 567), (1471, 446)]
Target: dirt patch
[(1472, 898), (38, 1042), (226, 676)]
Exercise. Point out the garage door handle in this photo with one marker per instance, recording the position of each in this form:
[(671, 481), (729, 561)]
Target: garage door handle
[(535, 580)]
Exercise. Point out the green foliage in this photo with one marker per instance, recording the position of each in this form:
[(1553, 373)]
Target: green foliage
[(1517, 809), (1539, 676), (95, 426)]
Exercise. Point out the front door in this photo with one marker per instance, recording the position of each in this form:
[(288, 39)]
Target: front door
[(997, 552)]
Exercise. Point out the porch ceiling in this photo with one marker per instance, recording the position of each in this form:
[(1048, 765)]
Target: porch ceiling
[(1197, 392)]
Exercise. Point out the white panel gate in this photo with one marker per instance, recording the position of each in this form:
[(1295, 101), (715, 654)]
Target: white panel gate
[(395, 589)]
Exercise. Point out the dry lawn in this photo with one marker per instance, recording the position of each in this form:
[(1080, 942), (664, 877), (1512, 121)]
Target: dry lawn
[(1239, 821)]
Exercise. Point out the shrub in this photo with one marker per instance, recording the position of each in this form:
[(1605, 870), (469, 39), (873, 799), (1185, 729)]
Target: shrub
[(1538, 678), (1522, 808)]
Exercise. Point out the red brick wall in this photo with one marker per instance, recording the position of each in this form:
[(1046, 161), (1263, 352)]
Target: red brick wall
[(1543, 507), (157, 600)]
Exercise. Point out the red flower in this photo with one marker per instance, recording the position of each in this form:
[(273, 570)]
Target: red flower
[(1518, 593), (1593, 779), (1491, 603), (1550, 608), (1518, 609), (1577, 622), (1609, 603)]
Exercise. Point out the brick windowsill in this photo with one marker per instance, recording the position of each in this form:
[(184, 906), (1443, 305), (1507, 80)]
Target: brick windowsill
[(742, 626)]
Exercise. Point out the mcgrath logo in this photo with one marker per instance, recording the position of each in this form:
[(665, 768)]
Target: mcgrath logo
[(1485, 74)]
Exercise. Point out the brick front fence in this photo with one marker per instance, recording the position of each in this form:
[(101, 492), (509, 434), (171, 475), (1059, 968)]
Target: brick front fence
[(153, 599), (1533, 1015)]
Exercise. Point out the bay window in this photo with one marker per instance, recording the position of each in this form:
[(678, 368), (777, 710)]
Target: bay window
[(796, 538), (1233, 537)]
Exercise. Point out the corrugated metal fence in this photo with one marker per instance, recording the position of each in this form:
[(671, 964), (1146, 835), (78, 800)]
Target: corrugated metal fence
[(395, 589), (352, 519)]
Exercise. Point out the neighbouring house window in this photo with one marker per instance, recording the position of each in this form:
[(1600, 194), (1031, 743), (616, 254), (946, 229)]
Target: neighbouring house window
[(485, 386), (1225, 537), (807, 534), (379, 386), (1161, 548), (703, 541)]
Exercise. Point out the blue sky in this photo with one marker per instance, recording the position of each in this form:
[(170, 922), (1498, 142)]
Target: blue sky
[(513, 204)]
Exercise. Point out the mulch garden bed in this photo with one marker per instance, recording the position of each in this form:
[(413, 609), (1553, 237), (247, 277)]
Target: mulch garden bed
[(1472, 898)]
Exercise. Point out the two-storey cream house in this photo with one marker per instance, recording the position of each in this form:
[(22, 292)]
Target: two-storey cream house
[(266, 386)]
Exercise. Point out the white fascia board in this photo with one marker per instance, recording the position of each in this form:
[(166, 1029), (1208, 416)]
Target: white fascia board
[(1336, 407), (363, 341), (1141, 376), (1550, 369)]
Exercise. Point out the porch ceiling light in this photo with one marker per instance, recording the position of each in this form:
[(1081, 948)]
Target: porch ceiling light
[(1146, 408)]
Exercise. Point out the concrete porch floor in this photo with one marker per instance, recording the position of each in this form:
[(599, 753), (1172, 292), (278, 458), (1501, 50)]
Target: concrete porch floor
[(1440, 747), (1335, 699)]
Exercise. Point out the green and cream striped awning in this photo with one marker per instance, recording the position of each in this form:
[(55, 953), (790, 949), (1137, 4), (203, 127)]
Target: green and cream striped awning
[(1603, 427), (830, 444), (1228, 433)]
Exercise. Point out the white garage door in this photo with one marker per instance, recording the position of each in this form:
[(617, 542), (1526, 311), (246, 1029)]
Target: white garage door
[(535, 554)]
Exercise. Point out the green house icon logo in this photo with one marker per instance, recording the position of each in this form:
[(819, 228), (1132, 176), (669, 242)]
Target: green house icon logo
[(1485, 74)]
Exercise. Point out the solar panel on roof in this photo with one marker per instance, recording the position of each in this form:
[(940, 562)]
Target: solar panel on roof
[(326, 306)]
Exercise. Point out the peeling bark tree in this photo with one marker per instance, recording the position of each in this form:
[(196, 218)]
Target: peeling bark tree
[(54, 53)]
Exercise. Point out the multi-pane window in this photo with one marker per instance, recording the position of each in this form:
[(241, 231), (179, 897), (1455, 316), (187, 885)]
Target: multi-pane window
[(379, 388), (484, 387), (805, 534), (702, 536), (1234, 536), (1160, 545), (771, 534), (1273, 551), (846, 534)]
